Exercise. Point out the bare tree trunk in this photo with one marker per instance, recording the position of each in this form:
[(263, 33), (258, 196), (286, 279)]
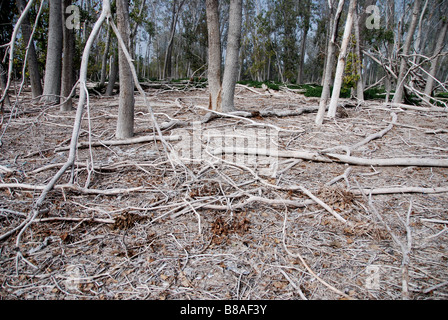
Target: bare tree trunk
[(433, 69), (3, 82), (113, 72), (53, 65), (306, 27), (398, 96), (302, 57), (390, 45), (232, 55), (33, 68), (329, 63), (169, 50), (104, 59), (125, 123), (341, 61), (214, 55), (67, 62), (359, 82)]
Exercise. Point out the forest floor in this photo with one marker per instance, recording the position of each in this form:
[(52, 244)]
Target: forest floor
[(136, 225)]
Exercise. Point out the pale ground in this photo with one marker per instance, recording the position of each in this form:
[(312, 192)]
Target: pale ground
[(192, 233)]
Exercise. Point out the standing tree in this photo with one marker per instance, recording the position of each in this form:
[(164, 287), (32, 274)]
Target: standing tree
[(433, 69), (67, 60), (232, 55), (398, 96), (328, 71), (341, 60), (125, 123), (53, 65), (32, 63), (222, 96), (305, 28), (214, 55), (169, 50)]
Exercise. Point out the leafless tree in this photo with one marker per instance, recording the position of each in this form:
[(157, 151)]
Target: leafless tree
[(33, 69)]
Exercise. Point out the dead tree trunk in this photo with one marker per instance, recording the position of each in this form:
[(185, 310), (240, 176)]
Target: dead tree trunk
[(398, 96), (341, 61)]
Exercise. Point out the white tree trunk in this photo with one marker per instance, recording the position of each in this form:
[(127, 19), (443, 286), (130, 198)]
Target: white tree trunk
[(398, 96), (341, 61), (53, 65), (232, 55), (328, 71)]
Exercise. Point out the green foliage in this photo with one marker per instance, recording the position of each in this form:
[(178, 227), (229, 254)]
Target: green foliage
[(352, 64), (374, 93)]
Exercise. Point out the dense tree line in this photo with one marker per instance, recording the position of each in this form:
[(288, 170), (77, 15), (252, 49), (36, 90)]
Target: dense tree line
[(397, 44)]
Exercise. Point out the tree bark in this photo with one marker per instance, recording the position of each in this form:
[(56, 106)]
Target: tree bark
[(390, 45), (398, 96), (214, 55), (104, 59), (125, 123), (113, 72), (328, 71), (232, 55), (433, 69), (359, 82), (306, 27), (53, 65), (3, 82), (169, 50), (33, 67), (67, 62), (341, 61)]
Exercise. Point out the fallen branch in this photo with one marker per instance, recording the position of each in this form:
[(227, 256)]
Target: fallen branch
[(86, 144), (322, 204), (72, 187), (393, 190), (74, 219), (369, 138), (333, 157)]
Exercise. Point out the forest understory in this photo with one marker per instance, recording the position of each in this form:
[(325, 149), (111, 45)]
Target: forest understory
[(307, 225)]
